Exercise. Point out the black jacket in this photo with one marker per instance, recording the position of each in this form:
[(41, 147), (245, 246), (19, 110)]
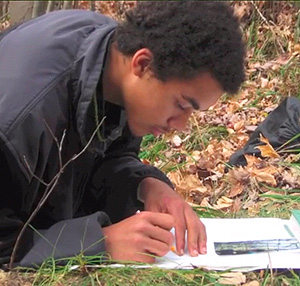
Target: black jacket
[(49, 73)]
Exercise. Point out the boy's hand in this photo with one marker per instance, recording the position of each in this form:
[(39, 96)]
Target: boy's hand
[(159, 197), (140, 237)]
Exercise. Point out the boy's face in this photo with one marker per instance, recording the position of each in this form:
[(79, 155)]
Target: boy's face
[(156, 107)]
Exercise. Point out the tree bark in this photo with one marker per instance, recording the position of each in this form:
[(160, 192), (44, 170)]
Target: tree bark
[(92, 6), (76, 3), (51, 6), (68, 5), (20, 11), (39, 8), (4, 7)]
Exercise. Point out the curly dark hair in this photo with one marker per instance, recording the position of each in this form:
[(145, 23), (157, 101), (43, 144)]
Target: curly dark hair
[(186, 38)]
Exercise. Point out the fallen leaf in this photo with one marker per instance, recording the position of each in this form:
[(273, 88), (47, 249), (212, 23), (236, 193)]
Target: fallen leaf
[(205, 164), (239, 125), (223, 203), (239, 175), (191, 182), (233, 106), (175, 177), (250, 128), (290, 178), (297, 48), (252, 283), (205, 203), (232, 278), (203, 173), (264, 178), (176, 141), (191, 169), (235, 190), (264, 82), (237, 205), (196, 155), (251, 160), (267, 150), (197, 195)]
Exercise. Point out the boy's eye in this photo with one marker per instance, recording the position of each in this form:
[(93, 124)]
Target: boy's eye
[(180, 106)]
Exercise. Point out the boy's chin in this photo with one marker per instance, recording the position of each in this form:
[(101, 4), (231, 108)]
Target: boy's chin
[(137, 132)]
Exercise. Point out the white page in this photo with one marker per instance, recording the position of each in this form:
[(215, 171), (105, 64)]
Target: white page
[(232, 230), (238, 230)]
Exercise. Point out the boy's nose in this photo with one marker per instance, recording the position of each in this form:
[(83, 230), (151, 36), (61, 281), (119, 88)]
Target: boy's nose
[(179, 122)]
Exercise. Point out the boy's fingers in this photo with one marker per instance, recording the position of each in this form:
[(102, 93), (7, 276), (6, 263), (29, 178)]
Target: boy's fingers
[(161, 220), (202, 239), (161, 235), (196, 236), (180, 230), (157, 247)]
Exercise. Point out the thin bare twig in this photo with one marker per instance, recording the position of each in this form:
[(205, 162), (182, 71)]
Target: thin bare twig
[(58, 144), (49, 189), (59, 149), (270, 27), (287, 148), (32, 174)]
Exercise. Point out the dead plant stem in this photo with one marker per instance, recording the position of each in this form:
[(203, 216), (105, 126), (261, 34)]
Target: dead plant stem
[(267, 22), (49, 189)]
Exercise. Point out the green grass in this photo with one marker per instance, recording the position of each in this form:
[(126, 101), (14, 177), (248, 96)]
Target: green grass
[(202, 135), (129, 276), (153, 148)]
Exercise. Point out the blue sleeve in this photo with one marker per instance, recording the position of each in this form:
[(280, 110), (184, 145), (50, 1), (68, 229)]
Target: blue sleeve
[(68, 238)]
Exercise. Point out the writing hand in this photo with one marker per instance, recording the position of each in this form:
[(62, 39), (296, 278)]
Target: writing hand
[(139, 236), (159, 197)]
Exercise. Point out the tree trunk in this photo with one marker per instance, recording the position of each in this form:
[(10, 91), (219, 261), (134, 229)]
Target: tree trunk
[(68, 5), (39, 8), (60, 4), (4, 7), (20, 11), (76, 3), (92, 6), (51, 6)]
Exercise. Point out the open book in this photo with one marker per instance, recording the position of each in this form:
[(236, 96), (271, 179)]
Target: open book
[(244, 244)]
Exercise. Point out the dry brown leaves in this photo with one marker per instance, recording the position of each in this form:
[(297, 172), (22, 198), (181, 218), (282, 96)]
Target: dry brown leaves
[(267, 150), (204, 179)]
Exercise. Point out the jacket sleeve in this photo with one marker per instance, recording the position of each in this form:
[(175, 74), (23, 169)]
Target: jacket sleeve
[(67, 239), (10, 215), (121, 168), (64, 239), (36, 90)]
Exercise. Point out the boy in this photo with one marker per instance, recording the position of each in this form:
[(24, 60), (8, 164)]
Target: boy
[(64, 74)]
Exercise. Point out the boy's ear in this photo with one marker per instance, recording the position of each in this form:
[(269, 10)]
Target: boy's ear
[(141, 61)]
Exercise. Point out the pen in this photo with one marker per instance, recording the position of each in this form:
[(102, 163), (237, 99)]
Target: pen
[(173, 249)]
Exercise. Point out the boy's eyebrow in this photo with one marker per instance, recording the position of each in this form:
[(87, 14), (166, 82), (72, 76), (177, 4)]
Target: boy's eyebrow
[(194, 104)]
